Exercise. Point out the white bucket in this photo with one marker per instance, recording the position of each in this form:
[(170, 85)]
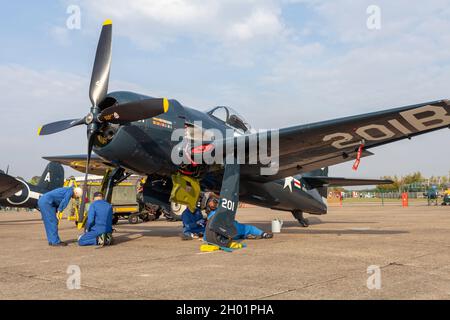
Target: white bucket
[(276, 225)]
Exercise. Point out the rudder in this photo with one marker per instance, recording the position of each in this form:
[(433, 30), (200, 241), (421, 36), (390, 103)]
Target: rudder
[(52, 177)]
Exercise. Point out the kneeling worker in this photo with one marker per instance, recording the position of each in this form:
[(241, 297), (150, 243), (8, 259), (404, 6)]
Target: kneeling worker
[(244, 231), (50, 204), (193, 224), (99, 223)]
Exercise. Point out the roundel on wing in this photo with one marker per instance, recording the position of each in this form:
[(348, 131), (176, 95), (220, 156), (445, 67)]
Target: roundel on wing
[(21, 196)]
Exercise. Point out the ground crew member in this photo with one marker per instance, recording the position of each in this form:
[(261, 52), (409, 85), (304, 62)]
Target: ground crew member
[(244, 231), (99, 223), (193, 224), (51, 203)]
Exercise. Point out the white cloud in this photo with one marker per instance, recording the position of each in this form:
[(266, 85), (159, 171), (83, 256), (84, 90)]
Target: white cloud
[(61, 35), (152, 24)]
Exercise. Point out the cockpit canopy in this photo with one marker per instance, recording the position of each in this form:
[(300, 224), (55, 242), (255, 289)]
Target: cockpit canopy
[(230, 117)]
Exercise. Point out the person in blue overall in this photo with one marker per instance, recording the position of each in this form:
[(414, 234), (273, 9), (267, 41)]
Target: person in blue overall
[(244, 231), (49, 205), (99, 223), (193, 224)]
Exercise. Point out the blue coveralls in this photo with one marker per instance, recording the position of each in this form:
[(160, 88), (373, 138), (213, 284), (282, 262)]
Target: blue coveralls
[(49, 204), (243, 230), (190, 220), (99, 221)]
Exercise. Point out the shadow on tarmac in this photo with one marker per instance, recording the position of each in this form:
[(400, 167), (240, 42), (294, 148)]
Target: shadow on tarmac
[(127, 233)]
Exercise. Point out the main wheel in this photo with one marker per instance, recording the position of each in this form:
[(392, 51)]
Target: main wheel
[(146, 217), (133, 219), (176, 210), (217, 239), (115, 220), (150, 213)]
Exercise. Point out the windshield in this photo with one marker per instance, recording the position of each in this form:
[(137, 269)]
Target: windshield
[(231, 118)]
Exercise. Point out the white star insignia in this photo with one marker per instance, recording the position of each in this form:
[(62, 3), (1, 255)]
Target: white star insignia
[(288, 183)]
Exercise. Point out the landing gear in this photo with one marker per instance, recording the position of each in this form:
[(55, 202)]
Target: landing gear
[(133, 219), (176, 210), (149, 212), (299, 216)]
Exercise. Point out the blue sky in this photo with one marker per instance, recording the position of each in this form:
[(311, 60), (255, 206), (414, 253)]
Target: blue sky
[(280, 63)]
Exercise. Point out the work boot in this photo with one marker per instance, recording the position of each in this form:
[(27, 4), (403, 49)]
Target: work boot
[(267, 235), (185, 236), (108, 239), (60, 244), (101, 240)]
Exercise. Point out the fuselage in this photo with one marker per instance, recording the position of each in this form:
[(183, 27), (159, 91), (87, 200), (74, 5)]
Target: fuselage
[(145, 147)]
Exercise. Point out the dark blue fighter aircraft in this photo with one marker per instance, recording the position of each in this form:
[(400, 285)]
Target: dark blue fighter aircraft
[(132, 133), (17, 193)]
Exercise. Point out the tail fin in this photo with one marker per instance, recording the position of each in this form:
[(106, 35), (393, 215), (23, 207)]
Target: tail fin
[(52, 178)]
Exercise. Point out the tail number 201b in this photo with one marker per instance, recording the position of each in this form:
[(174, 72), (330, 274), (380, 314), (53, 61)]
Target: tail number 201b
[(421, 119)]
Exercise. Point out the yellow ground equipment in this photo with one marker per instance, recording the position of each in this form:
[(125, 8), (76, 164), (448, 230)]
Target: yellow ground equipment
[(122, 205), (212, 247), (186, 190), (73, 213)]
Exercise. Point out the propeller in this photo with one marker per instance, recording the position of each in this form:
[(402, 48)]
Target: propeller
[(134, 111), (115, 114)]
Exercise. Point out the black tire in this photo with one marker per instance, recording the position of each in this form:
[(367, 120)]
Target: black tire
[(145, 217), (299, 216), (176, 210), (115, 220), (304, 222), (217, 239), (158, 214), (133, 219)]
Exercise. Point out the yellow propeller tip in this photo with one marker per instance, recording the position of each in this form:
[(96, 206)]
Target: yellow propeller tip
[(107, 22), (166, 105), (39, 131)]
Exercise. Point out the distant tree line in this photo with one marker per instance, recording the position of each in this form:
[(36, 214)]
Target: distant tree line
[(35, 180), (414, 182)]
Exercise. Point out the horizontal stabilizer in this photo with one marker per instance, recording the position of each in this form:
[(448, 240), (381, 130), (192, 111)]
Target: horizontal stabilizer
[(317, 182), (9, 186)]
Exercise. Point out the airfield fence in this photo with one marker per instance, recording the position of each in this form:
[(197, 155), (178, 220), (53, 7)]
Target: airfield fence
[(378, 199)]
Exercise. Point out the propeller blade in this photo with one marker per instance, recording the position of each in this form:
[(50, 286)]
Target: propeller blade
[(134, 111), (85, 189), (58, 126), (102, 65)]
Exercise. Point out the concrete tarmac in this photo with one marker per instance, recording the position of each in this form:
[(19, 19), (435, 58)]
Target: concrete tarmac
[(328, 260)]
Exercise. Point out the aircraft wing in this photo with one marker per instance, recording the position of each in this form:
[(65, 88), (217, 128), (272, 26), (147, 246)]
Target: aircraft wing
[(313, 146), (97, 166), (8, 185)]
